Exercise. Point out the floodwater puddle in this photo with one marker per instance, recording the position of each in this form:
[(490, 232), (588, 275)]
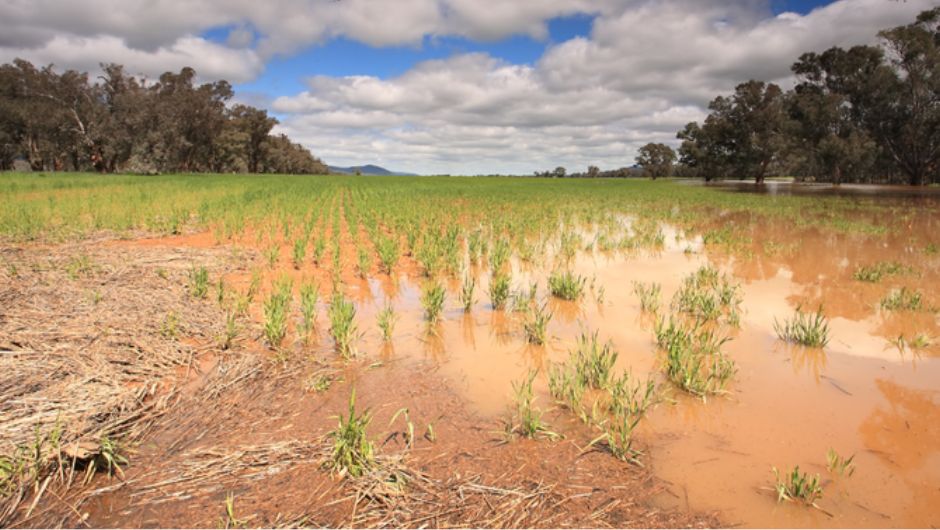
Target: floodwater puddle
[(866, 393), (788, 405)]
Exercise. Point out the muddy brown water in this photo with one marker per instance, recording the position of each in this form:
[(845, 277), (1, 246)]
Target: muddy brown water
[(861, 395), (920, 195), (788, 405)]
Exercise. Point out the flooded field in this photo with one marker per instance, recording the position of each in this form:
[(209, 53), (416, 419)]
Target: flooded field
[(226, 409)]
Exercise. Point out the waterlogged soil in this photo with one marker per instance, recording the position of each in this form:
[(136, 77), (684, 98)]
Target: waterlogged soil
[(865, 394), (788, 405)]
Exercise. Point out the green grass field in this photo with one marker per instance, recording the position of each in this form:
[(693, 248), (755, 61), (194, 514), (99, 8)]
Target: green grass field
[(69, 206)]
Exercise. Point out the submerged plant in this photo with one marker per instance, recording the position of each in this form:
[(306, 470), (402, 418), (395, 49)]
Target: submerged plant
[(389, 252), (919, 341), (466, 293), (499, 290), (353, 454), (409, 432), (276, 309), (804, 328), (630, 396), (647, 233), (309, 295), (342, 325), (319, 381), (649, 294), (874, 273), (694, 360), (364, 263), (902, 299), (593, 361), (566, 387), (836, 463), (566, 285), (522, 299), (499, 256), (797, 486), (902, 343), (536, 325), (708, 295), (618, 436), (569, 243), (527, 419), (386, 319), (475, 245), (432, 299)]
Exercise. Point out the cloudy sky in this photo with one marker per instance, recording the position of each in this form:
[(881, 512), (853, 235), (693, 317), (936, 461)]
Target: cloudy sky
[(457, 86)]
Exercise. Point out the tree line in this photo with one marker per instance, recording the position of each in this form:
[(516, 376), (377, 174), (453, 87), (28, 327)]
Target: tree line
[(123, 123), (592, 172), (865, 114)]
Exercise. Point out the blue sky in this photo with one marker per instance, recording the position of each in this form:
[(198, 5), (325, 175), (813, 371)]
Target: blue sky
[(345, 57)]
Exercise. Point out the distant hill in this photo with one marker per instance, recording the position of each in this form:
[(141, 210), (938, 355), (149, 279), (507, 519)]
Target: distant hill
[(368, 169)]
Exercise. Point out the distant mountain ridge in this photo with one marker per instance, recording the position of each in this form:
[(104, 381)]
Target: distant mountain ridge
[(368, 169)]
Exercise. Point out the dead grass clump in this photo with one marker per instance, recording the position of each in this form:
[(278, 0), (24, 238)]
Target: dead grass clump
[(75, 372)]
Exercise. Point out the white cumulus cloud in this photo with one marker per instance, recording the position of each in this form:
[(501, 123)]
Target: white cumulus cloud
[(646, 68)]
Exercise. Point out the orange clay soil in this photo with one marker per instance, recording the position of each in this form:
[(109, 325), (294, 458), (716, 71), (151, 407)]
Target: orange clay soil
[(262, 441)]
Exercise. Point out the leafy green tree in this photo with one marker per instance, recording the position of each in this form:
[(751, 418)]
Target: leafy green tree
[(743, 136), (826, 109), (701, 150), (121, 123), (656, 160), (755, 122), (256, 125), (863, 114), (287, 157), (906, 118)]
